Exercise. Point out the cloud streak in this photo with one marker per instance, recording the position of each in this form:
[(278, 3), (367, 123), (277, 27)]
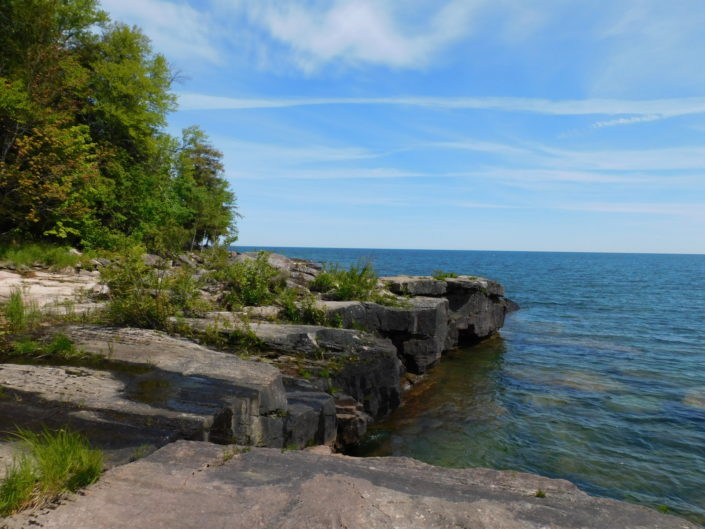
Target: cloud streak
[(650, 108)]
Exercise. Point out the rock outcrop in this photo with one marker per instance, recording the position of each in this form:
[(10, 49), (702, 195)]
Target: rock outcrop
[(153, 388), (191, 484), (435, 315)]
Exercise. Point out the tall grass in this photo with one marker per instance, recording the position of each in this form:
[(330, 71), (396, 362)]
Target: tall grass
[(45, 254), (18, 314), (49, 464)]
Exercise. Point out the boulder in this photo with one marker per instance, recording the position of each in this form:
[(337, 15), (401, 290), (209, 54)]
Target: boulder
[(192, 484)]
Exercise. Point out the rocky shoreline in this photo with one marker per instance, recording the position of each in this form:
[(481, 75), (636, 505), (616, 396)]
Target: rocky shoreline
[(292, 387)]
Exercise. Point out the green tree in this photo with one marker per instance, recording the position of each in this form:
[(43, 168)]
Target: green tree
[(205, 193), (83, 153)]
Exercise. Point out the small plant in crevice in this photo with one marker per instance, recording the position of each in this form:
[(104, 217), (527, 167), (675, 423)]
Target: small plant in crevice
[(442, 275), (540, 493), (300, 307), (358, 283), (59, 347), (18, 314), (47, 465), (141, 451)]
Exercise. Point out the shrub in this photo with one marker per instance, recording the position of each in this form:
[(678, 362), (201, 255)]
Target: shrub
[(302, 308), (50, 464), (441, 275), (147, 296), (249, 282), (44, 254), (358, 283)]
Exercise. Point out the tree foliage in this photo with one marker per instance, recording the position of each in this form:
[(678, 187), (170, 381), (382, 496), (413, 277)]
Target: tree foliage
[(83, 153)]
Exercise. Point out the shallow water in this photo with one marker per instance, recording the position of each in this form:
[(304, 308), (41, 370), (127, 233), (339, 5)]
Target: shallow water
[(599, 378)]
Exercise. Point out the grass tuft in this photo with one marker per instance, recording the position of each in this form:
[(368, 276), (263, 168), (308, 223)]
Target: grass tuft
[(441, 275), (49, 464), (18, 314)]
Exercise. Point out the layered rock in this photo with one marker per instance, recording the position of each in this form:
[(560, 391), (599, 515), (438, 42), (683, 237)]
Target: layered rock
[(172, 388), (345, 362), (190, 484), (435, 315)]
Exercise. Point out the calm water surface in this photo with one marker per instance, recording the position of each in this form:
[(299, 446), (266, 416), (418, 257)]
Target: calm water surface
[(599, 379)]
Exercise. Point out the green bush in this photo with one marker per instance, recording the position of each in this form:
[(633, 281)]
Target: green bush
[(250, 282), (147, 296), (441, 275), (302, 308), (49, 464), (44, 254), (358, 283)]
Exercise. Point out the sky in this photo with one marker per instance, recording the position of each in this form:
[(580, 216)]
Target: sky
[(551, 125)]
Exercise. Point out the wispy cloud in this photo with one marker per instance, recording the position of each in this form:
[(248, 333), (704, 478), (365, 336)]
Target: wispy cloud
[(361, 31), (177, 30), (350, 173), (627, 121), (650, 108), (675, 209)]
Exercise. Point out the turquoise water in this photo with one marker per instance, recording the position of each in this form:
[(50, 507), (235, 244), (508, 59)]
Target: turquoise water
[(599, 378)]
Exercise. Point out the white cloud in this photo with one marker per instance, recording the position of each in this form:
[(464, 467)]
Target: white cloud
[(177, 30), (626, 121), (362, 31)]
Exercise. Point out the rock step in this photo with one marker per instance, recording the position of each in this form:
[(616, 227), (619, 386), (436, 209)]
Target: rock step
[(169, 388), (194, 484)]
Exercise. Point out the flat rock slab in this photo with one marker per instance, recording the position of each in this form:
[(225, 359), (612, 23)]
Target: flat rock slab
[(99, 404), (157, 349), (191, 484), (47, 288)]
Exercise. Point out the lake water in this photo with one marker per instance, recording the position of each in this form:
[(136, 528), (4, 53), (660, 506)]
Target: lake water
[(598, 379)]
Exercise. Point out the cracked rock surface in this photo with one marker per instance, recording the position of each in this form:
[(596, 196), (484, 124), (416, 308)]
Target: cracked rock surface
[(193, 484)]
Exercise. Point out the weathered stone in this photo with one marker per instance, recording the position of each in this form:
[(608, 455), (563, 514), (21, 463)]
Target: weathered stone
[(251, 394), (418, 329), (362, 366), (415, 286), (105, 406), (190, 484), (151, 259), (46, 288), (311, 415), (352, 421)]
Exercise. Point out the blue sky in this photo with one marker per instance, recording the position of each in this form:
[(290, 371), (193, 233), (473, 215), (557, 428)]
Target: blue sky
[(464, 124)]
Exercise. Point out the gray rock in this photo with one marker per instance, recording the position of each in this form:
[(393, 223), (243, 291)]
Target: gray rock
[(251, 394), (311, 415), (415, 286), (418, 330), (190, 484), (357, 363), (363, 366)]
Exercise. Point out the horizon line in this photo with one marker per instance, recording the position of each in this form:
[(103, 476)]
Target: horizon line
[(460, 250)]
